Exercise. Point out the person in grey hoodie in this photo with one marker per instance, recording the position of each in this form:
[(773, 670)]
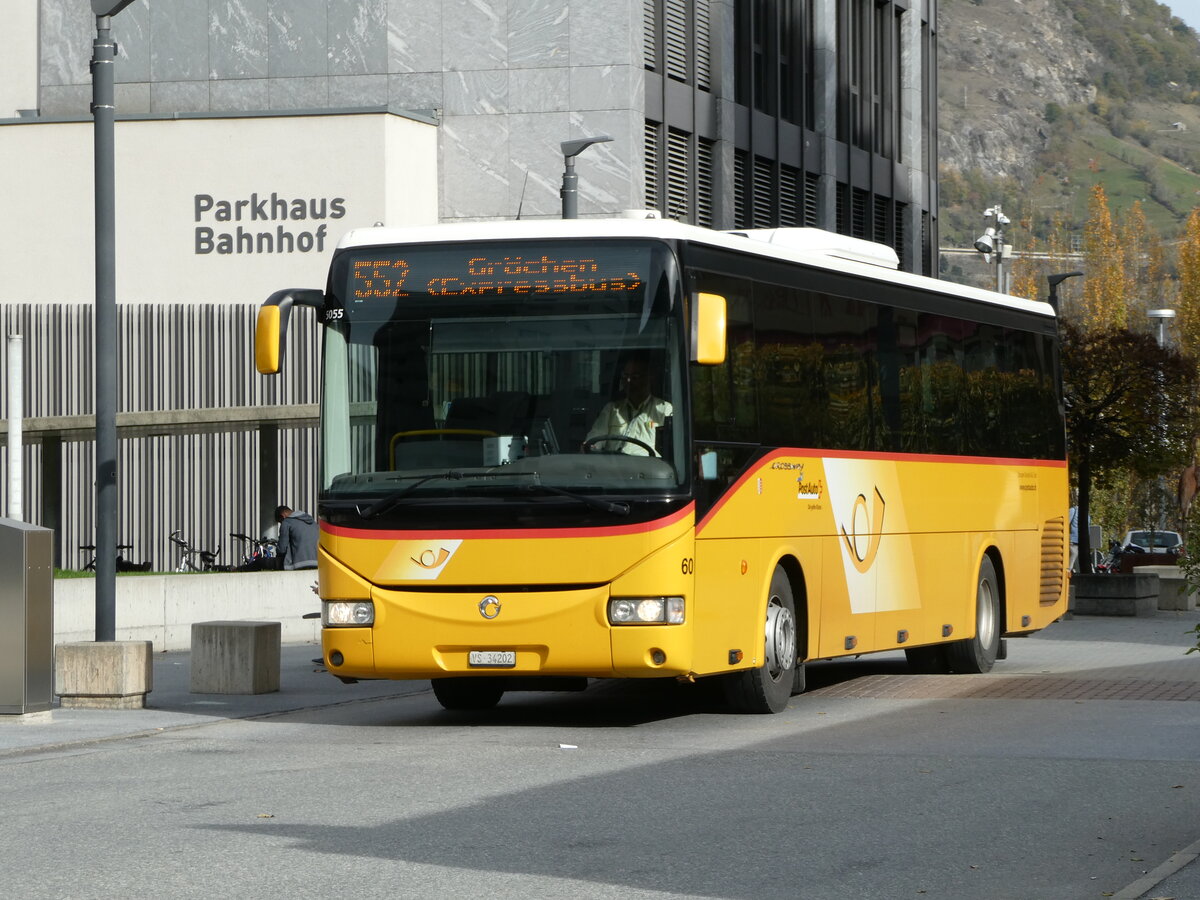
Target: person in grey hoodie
[(297, 538)]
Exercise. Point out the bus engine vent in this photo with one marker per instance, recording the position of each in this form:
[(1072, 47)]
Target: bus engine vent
[(1054, 559)]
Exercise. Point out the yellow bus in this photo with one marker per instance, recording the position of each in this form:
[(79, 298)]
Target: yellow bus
[(567, 450)]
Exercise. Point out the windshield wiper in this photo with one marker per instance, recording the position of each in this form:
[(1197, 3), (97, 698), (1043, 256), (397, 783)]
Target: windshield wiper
[(379, 507), (610, 506)]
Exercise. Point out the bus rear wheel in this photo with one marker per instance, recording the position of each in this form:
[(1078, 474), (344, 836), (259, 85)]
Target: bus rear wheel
[(768, 688), (977, 655), (467, 693)]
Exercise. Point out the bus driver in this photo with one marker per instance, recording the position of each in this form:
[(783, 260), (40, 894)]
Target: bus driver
[(637, 415)]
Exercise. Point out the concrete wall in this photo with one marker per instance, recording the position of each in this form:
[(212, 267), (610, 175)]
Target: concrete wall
[(162, 608)]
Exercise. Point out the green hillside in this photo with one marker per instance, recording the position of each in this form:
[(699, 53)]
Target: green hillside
[(1139, 136)]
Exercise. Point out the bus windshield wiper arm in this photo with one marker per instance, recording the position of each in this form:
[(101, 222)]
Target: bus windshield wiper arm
[(609, 506), (379, 507)]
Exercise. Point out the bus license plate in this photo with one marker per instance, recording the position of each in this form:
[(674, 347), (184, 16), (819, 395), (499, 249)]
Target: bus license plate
[(492, 659)]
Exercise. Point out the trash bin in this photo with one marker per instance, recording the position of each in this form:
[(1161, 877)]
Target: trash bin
[(27, 610)]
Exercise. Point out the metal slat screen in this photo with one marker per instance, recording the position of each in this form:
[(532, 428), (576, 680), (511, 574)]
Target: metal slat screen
[(678, 158), (170, 357)]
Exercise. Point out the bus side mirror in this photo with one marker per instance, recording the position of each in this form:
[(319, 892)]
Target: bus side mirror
[(270, 329), (708, 329)]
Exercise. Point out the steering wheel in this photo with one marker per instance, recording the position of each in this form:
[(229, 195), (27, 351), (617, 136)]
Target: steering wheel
[(590, 444)]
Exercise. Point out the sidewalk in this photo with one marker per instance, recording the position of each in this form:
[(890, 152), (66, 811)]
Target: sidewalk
[(303, 684)]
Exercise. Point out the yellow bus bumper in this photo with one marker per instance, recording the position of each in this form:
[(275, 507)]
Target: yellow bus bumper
[(564, 633)]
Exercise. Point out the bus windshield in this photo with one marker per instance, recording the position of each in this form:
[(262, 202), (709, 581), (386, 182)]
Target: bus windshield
[(550, 371)]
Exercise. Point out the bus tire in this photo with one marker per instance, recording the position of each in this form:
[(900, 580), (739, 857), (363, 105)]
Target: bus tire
[(768, 688), (467, 693), (976, 655)]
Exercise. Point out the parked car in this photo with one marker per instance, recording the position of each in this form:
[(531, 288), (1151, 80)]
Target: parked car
[(1154, 541)]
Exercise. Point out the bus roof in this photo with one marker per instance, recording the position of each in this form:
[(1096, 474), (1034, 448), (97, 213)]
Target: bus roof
[(809, 246)]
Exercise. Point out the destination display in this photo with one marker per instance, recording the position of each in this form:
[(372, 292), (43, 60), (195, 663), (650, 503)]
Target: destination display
[(466, 272)]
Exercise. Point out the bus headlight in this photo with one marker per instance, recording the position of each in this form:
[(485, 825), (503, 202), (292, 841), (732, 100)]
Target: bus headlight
[(646, 611), (347, 613)]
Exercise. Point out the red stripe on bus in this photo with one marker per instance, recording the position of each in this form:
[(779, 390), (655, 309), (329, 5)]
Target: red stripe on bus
[(867, 454), (509, 533)]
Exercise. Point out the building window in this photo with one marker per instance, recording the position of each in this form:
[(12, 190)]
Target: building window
[(650, 35), (741, 212), (705, 182), (678, 192), (651, 151), (677, 40)]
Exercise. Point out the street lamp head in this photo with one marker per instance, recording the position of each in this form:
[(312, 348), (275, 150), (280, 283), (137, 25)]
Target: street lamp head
[(1161, 313), (574, 148), (108, 7)]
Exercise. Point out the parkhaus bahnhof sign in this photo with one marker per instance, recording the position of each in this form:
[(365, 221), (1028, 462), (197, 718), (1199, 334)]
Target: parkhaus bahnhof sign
[(208, 208), (301, 224)]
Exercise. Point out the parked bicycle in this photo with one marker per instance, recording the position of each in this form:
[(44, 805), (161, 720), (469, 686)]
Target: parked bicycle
[(123, 564), (192, 559), (258, 554)]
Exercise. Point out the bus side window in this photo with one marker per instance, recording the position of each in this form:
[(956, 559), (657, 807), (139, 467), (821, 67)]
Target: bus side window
[(899, 376), (846, 329), (725, 401), (791, 389)]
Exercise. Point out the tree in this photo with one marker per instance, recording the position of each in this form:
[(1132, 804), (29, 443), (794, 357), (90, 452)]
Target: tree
[(1130, 405), (1145, 267), (1188, 299), (1106, 292)]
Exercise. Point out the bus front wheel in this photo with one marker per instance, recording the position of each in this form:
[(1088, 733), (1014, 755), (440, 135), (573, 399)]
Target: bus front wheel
[(977, 655), (467, 693), (768, 688)]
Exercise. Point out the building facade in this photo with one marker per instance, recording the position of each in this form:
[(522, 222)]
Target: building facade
[(724, 113)]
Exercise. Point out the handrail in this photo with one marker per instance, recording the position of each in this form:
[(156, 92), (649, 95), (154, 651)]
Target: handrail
[(167, 421)]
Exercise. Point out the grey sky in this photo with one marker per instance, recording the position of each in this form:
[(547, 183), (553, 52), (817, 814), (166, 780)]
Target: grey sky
[(1188, 10)]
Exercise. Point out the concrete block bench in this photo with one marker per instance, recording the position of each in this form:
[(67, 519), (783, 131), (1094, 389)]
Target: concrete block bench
[(1173, 590), (1115, 595), (235, 657), (103, 674)]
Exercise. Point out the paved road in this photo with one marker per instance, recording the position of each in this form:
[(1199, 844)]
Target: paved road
[(1070, 772)]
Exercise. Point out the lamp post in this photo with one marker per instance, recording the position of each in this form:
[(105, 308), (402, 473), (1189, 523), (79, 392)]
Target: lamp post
[(104, 55), (1055, 281), (570, 182), (1161, 317), (991, 243)]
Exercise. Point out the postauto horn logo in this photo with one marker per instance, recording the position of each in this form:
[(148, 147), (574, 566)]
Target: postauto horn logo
[(866, 531)]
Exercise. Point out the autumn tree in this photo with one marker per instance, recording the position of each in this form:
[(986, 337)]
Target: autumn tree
[(1187, 300), (1146, 277), (1108, 287), (1130, 406)]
